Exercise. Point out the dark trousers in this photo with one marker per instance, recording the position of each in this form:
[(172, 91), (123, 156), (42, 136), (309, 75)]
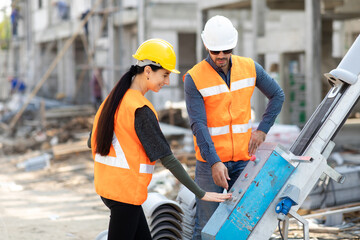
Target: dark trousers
[(127, 221), (14, 29)]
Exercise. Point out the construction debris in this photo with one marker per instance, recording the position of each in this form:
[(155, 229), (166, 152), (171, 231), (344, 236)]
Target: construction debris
[(69, 148), (36, 163), (45, 123), (50, 142), (347, 228)]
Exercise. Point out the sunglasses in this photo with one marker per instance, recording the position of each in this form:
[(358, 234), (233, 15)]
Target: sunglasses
[(217, 52)]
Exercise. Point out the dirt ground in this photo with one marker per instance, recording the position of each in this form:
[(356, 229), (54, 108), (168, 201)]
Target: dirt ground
[(59, 202), (54, 203)]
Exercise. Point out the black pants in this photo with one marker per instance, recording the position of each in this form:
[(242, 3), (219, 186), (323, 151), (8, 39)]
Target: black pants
[(127, 221)]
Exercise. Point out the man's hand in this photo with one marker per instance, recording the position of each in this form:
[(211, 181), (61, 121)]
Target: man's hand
[(257, 138), (220, 175)]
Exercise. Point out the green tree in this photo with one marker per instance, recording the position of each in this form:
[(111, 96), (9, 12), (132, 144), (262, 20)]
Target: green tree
[(5, 32)]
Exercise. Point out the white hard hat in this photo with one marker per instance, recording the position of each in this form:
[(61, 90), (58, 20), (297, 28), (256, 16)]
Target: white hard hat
[(219, 34)]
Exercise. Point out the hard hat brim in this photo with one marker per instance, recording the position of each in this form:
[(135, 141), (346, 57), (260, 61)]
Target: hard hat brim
[(149, 62), (174, 71)]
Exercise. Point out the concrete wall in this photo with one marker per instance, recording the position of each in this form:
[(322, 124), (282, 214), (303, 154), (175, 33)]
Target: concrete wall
[(283, 34), (170, 19)]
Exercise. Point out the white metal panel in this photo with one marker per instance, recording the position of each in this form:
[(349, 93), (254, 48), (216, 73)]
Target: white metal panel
[(40, 18)]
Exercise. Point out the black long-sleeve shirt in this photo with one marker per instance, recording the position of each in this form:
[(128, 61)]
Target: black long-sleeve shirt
[(156, 147)]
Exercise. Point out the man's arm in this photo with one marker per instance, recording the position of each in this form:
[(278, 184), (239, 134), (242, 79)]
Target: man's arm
[(198, 122), (197, 115), (271, 89)]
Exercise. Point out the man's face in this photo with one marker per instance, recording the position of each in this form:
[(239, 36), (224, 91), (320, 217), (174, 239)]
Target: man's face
[(221, 58)]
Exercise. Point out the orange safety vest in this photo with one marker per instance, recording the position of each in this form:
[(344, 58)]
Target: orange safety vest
[(125, 173), (228, 110)]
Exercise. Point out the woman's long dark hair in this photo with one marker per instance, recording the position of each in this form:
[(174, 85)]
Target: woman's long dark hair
[(105, 125)]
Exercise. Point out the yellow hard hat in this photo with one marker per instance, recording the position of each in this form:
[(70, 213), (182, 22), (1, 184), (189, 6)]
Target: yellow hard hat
[(158, 51)]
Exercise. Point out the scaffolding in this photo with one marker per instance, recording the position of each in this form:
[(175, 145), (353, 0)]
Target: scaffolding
[(89, 51), (5, 45)]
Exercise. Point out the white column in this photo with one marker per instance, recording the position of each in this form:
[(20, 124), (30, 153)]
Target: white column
[(69, 74), (202, 17), (258, 24), (312, 55), (141, 21), (60, 68)]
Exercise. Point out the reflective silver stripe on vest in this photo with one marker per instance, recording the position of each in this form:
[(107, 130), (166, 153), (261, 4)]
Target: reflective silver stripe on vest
[(215, 131), (236, 85), (118, 161), (244, 83), (215, 90), (146, 168), (241, 128)]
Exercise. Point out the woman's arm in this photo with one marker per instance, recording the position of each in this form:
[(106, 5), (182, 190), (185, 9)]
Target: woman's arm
[(156, 147)]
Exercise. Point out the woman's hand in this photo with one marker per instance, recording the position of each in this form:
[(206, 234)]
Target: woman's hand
[(216, 197)]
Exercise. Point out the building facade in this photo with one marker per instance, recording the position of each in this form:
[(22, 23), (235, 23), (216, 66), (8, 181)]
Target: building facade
[(56, 53)]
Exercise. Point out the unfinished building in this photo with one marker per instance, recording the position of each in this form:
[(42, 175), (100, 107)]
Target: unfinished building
[(295, 41)]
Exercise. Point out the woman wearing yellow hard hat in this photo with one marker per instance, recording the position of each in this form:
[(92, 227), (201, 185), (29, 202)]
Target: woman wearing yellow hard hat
[(127, 141)]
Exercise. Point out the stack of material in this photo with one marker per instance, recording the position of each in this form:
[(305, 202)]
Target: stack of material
[(164, 217), (187, 202)]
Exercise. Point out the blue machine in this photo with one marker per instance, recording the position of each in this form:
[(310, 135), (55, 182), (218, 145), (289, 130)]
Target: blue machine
[(278, 181), (253, 192)]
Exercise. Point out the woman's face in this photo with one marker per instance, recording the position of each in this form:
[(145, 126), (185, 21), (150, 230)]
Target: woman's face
[(157, 79)]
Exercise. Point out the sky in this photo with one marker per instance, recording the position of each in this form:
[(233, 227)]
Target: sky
[(7, 4)]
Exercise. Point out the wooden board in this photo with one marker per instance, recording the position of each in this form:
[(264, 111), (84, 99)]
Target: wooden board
[(63, 150)]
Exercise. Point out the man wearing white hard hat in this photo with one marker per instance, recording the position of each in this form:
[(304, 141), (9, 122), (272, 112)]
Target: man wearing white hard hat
[(217, 92)]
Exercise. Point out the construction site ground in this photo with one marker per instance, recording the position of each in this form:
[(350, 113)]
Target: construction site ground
[(54, 203), (60, 203)]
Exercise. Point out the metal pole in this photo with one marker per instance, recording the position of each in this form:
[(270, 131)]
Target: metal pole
[(312, 55), (141, 21)]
